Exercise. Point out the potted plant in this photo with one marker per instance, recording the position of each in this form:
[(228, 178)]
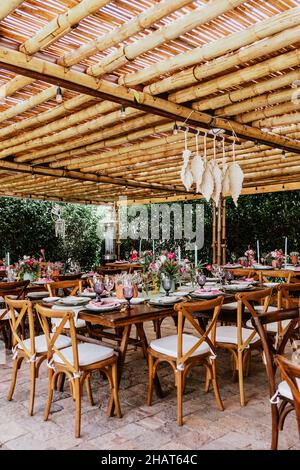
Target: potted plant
[(276, 258), (169, 268), (28, 268), (294, 255)]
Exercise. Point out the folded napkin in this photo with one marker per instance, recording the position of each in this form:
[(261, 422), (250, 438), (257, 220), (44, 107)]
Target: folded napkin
[(208, 290), (104, 303)]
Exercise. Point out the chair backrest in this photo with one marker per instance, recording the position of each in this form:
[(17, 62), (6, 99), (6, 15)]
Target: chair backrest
[(291, 373), (68, 287), (20, 310), (186, 310), (45, 315), (286, 294), (67, 277), (16, 288), (240, 273), (275, 274), (259, 321)]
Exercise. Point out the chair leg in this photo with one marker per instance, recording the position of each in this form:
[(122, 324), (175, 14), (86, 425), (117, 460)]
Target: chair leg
[(16, 367), (216, 387), (89, 389), (275, 417), (150, 383), (32, 387), (241, 378), (207, 379), (51, 385), (77, 388), (115, 389), (179, 384)]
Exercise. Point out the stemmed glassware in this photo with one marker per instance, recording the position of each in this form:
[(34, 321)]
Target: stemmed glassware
[(128, 292), (201, 280), (108, 283), (167, 284), (98, 288)]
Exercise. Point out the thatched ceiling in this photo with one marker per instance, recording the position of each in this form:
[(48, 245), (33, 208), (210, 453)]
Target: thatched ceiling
[(221, 63)]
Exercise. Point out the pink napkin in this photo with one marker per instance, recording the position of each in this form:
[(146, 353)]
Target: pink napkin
[(207, 290), (103, 303)]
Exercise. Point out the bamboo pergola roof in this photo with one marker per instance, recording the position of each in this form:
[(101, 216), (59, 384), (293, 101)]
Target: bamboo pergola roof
[(129, 70)]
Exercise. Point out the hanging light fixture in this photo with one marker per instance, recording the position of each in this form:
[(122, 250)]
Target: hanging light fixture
[(123, 112), (175, 129), (59, 96)]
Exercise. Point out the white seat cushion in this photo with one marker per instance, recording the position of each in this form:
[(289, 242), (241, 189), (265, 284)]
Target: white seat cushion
[(284, 389), (230, 306), (41, 343), (168, 345), (228, 334), (78, 323), (87, 354), (7, 316)]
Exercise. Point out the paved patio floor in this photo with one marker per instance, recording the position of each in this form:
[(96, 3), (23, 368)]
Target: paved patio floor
[(144, 427)]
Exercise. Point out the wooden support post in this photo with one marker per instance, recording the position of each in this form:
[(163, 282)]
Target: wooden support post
[(224, 239), (219, 234), (118, 240), (214, 256)]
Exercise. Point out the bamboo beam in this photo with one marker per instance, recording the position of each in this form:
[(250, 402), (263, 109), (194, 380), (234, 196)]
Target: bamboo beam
[(9, 88), (120, 34), (228, 98), (83, 83), (61, 25), (238, 77), (214, 234), (207, 52), (124, 54), (22, 168), (8, 6), (292, 118), (224, 241), (260, 115)]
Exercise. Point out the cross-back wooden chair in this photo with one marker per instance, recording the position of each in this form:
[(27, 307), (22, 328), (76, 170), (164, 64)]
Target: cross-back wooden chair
[(243, 273), (77, 362), (14, 290), (241, 341), (69, 287), (288, 296), (291, 374), (275, 274), (33, 349), (280, 397), (182, 351)]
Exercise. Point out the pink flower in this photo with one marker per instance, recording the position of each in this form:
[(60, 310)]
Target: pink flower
[(172, 255), (209, 267), (41, 260), (42, 251)]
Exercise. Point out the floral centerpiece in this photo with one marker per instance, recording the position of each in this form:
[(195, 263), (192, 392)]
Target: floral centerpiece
[(28, 268), (249, 253), (276, 258), (134, 256), (294, 256)]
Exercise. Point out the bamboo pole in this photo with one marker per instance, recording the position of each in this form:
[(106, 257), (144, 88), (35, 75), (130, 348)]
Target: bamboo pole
[(65, 107), (227, 99), (182, 25), (260, 101), (257, 115), (219, 234), (113, 38), (238, 77), (79, 81), (207, 52), (8, 6), (9, 88), (33, 101), (224, 239), (292, 118), (214, 234), (61, 25)]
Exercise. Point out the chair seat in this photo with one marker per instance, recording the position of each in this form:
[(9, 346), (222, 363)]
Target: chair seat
[(284, 389), (230, 306), (78, 323), (87, 354), (41, 343), (228, 334), (7, 316), (168, 345)]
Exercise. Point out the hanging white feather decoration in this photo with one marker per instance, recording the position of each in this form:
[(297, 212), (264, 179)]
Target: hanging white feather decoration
[(207, 184), (185, 173), (236, 177), (226, 182), (197, 167)]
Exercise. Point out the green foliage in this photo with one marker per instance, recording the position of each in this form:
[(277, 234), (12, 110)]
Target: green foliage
[(26, 226)]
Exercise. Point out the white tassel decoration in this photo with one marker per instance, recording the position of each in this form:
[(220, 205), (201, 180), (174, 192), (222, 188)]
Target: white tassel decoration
[(197, 167)]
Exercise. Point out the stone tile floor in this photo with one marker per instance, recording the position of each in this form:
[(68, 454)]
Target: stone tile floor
[(144, 427)]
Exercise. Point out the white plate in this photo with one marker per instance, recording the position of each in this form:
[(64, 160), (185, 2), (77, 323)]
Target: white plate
[(260, 266), (237, 287), (165, 301), (90, 295), (138, 300), (104, 308), (271, 284), (72, 300), (49, 300), (232, 266), (205, 295), (37, 295)]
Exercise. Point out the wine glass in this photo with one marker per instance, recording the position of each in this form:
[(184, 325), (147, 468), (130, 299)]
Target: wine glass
[(167, 284), (128, 292), (98, 288), (108, 283), (229, 276), (201, 280)]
